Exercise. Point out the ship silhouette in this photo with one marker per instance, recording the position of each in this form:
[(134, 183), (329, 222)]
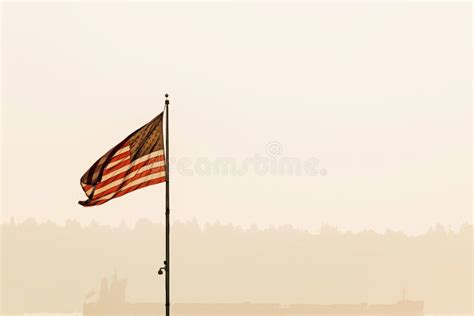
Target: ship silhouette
[(111, 301)]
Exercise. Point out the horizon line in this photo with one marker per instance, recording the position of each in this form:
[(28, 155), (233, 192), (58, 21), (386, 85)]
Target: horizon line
[(448, 228)]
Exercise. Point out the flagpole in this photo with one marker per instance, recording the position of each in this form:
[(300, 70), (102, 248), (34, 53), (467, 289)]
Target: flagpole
[(167, 262)]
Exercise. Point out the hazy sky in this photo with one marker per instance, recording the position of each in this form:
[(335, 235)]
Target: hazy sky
[(379, 94)]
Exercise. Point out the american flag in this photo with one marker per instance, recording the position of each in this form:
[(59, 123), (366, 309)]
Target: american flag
[(136, 162)]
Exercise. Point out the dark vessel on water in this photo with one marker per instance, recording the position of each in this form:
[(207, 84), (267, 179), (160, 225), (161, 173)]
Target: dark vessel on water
[(111, 302)]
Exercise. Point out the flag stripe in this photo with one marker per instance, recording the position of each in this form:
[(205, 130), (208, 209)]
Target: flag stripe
[(159, 161), (136, 162), (119, 158), (120, 179), (132, 184), (124, 149), (136, 187), (149, 156), (154, 180), (124, 163), (122, 182), (122, 172), (114, 163)]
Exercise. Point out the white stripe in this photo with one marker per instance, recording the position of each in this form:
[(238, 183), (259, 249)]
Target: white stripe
[(122, 150), (144, 179), (125, 168), (136, 162), (129, 176), (116, 172), (110, 165), (110, 175), (88, 192), (149, 156), (136, 182)]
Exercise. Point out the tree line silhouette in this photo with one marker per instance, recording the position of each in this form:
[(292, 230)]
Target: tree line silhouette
[(51, 268)]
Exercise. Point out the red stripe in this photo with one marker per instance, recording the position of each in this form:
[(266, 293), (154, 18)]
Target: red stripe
[(114, 178), (132, 169), (124, 163), (135, 177), (86, 187), (133, 188), (141, 185), (116, 167), (120, 156)]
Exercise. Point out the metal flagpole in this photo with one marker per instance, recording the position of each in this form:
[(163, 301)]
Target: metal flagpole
[(167, 262), (166, 267)]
